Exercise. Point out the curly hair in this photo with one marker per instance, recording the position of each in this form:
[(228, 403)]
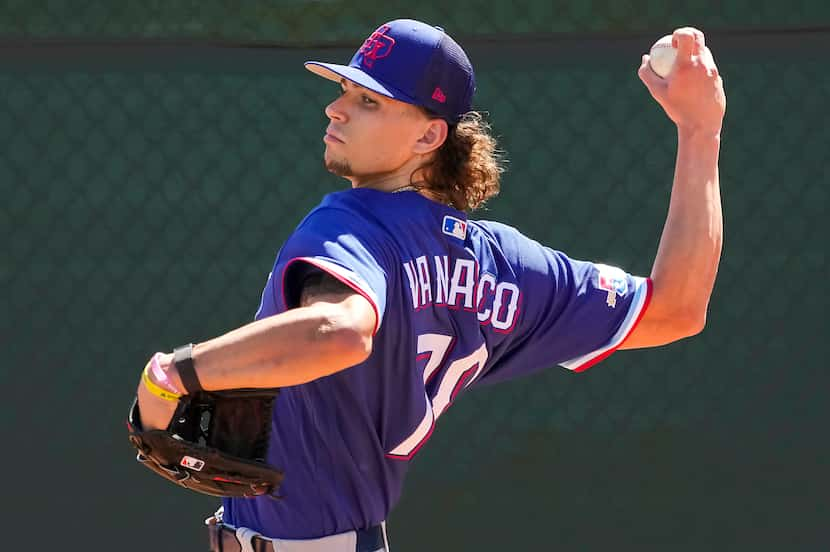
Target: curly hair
[(466, 169)]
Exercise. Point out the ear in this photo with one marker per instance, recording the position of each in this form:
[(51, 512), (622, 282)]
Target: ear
[(434, 135)]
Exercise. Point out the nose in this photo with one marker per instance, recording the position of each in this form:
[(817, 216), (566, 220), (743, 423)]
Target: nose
[(336, 110)]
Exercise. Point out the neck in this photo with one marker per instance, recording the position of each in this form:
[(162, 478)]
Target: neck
[(393, 185), (408, 177), (410, 174), (383, 182)]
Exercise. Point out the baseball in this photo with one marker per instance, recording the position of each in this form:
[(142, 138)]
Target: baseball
[(661, 56)]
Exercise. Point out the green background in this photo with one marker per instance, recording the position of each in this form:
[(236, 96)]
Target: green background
[(155, 158)]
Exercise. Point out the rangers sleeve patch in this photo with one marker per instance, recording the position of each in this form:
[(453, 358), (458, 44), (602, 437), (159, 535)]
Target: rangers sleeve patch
[(613, 281)]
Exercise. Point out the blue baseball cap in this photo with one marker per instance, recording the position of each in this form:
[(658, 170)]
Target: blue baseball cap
[(412, 62)]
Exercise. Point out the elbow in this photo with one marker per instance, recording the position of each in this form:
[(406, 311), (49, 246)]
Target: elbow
[(675, 313), (693, 329), (344, 340), (351, 345), (690, 324)]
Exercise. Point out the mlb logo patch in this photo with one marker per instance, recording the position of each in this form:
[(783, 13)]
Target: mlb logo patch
[(612, 280), (455, 227)]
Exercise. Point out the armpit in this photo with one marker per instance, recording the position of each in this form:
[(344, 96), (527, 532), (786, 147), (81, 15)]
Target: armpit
[(318, 285)]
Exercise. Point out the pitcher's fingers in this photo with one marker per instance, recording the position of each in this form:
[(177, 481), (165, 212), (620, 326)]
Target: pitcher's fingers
[(709, 62), (699, 38), (653, 82), (687, 45)]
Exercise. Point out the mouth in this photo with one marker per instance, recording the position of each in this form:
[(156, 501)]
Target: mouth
[(332, 139)]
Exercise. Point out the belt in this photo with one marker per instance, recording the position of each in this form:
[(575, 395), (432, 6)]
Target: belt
[(223, 539)]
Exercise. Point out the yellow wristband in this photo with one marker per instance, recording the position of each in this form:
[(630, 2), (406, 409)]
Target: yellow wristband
[(155, 389)]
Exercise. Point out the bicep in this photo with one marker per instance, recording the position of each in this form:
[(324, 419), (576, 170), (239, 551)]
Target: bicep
[(321, 288), (317, 285)]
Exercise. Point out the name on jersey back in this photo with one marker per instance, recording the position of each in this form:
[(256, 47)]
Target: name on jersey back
[(456, 284)]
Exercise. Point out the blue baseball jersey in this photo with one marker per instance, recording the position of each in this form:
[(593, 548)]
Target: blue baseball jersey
[(459, 303)]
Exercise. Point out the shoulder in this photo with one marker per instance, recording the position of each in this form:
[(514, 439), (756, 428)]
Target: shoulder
[(332, 203), (498, 231), (338, 214), (507, 239), (524, 254), (393, 218), (362, 200), (343, 229), (357, 208)]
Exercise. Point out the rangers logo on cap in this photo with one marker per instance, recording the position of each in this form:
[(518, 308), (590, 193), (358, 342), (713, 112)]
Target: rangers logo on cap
[(377, 46)]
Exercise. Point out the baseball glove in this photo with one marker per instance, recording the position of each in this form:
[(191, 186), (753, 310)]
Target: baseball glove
[(216, 443)]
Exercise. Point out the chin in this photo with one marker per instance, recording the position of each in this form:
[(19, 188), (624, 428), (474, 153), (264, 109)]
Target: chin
[(339, 167)]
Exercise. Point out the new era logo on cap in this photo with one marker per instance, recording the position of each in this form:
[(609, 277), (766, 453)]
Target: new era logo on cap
[(412, 62)]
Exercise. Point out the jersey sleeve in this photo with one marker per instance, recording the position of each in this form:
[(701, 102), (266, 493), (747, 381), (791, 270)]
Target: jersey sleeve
[(603, 307), (340, 244), (587, 311), (575, 313)]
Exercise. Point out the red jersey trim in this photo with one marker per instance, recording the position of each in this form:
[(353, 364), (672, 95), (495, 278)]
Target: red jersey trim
[(331, 268), (602, 356)]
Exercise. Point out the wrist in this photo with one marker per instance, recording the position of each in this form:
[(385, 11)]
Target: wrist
[(164, 374), (182, 360), (155, 380), (699, 134)]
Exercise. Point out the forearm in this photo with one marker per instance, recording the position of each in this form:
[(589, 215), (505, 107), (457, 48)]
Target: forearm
[(287, 349), (687, 259)]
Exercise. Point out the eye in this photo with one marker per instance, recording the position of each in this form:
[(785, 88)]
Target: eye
[(368, 101)]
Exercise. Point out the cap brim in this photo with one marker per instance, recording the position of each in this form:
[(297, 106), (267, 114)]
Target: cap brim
[(334, 72)]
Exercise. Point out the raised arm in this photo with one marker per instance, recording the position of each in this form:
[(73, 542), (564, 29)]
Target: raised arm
[(687, 258)]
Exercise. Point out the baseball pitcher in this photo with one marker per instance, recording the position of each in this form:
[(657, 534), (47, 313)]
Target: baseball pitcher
[(387, 303)]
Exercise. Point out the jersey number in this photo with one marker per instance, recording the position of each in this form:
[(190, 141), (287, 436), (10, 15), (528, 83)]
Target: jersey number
[(459, 374)]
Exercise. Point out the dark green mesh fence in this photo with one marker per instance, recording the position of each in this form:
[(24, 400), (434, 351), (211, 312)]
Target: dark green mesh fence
[(146, 190), (325, 21)]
